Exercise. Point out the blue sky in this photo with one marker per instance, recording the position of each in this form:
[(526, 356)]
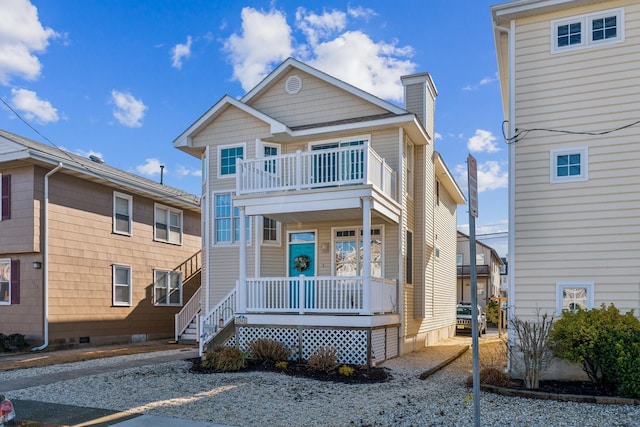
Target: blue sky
[(122, 79)]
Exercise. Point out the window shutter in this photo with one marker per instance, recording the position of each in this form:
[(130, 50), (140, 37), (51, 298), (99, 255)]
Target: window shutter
[(6, 196), (15, 281)]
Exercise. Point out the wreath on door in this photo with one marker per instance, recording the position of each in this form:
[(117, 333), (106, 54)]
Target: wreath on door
[(301, 263)]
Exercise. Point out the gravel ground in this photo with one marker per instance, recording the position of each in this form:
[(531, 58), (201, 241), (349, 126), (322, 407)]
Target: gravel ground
[(271, 399)]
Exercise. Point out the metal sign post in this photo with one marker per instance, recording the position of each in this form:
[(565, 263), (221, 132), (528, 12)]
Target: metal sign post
[(472, 181)]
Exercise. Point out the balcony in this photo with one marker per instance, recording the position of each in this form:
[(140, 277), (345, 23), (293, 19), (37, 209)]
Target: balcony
[(308, 170)]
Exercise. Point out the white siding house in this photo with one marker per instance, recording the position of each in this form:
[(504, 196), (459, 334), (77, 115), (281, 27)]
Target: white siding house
[(319, 210), (570, 90)]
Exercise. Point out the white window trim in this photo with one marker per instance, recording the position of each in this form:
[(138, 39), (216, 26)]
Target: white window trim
[(561, 286), (113, 274), (169, 210), (584, 165), (366, 138), (8, 261), (116, 195), (180, 288), (278, 241), (224, 147), (358, 237), (213, 222), (586, 20)]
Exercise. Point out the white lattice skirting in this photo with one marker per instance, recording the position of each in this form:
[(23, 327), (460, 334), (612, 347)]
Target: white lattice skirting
[(355, 346)]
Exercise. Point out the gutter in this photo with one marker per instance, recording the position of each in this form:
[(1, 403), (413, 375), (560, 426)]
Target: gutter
[(45, 266)]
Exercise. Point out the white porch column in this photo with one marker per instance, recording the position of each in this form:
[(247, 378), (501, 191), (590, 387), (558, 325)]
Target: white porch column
[(242, 282), (366, 254)]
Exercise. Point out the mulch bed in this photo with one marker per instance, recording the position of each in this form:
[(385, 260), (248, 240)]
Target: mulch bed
[(583, 388), (361, 374)]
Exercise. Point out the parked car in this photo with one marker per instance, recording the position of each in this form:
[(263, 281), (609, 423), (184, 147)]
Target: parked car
[(464, 316), (7, 412)]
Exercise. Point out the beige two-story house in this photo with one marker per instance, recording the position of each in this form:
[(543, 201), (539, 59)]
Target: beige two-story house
[(488, 266), (90, 254), (329, 219), (570, 89)]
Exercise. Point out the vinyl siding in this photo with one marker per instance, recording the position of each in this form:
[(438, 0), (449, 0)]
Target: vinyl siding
[(19, 234), (317, 102), (588, 230)]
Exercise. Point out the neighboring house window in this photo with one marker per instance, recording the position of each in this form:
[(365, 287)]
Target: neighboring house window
[(409, 267), (227, 156), (168, 224), (480, 259), (459, 259), (569, 165), (9, 281), (349, 257), (121, 285), (122, 213), (571, 296), (5, 190), (587, 30), (270, 231), (226, 221), (167, 287)]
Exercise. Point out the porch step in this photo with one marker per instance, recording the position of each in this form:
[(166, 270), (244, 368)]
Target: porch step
[(190, 335)]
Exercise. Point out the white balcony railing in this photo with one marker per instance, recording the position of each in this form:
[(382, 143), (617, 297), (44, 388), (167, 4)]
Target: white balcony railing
[(329, 295), (314, 169)]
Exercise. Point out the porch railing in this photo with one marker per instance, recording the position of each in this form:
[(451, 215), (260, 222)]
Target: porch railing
[(185, 316), (315, 169), (219, 317), (308, 295)]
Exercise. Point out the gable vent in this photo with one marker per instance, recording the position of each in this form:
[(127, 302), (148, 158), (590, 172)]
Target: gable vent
[(293, 85)]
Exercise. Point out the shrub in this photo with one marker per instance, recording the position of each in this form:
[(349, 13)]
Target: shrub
[(324, 359), (282, 365), (225, 359), (346, 371), (12, 343), (533, 347), (268, 351), (492, 376), (606, 344), (493, 312)]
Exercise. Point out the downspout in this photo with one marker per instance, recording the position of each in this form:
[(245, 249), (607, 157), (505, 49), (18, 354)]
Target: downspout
[(511, 131), (45, 261)]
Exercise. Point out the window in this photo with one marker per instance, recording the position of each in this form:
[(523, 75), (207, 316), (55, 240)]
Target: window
[(121, 285), (270, 150), (459, 259), (409, 272), (167, 287), (349, 256), (226, 222), (168, 225), (587, 30), (5, 191), (9, 281), (122, 208), (409, 156), (480, 259), (335, 161), (227, 156), (573, 296), (568, 165), (270, 231)]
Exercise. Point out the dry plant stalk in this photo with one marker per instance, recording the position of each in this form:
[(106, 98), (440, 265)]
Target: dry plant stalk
[(533, 346)]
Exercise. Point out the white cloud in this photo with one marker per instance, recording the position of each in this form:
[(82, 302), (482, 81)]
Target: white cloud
[(21, 35), (316, 27), (33, 108), (483, 141), (438, 135), (179, 52), (351, 56), (265, 40), (129, 111), (183, 171), (361, 12), (491, 176), (483, 82), (151, 167)]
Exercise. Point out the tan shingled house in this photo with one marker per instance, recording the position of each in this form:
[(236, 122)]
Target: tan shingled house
[(89, 253)]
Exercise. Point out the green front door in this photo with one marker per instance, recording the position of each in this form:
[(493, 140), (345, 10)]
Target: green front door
[(302, 252)]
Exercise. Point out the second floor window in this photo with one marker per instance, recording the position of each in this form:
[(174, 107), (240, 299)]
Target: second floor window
[(569, 165), (227, 156), (587, 30), (122, 213), (168, 225), (5, 191)]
